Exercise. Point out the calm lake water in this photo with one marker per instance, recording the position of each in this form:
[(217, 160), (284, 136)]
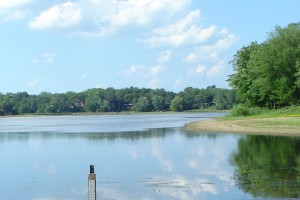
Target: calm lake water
[(142, 157)]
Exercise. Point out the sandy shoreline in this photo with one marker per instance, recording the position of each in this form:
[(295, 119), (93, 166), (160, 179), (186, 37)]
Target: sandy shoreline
[(262, 126)]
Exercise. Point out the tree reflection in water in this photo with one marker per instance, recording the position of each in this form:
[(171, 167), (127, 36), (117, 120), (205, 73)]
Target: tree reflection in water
[(268, 166), (91, 136)]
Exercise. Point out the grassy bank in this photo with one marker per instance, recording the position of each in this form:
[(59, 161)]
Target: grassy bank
[(239, 111), (271, 122)]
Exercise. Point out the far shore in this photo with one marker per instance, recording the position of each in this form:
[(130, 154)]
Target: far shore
[(283, 126), (109, 113)]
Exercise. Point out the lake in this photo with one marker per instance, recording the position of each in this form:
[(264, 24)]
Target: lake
[(143, 157)]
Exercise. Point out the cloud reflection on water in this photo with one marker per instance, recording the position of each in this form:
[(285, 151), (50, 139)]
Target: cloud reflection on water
[(158, 153), (154, 164)]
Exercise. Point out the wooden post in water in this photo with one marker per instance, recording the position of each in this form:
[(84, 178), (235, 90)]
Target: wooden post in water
[(92, 184)]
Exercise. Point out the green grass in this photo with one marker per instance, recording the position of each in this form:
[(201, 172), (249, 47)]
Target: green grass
[(251, 113), (281, 119), (272, 122)]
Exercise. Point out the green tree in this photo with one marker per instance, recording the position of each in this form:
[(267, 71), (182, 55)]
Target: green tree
[(9, 104), (43, 99), (110, 96), (104, 106), (221, 100), (188, 96), (142, 105), (106, 100), (177, 104), (224, 99), (92, 99), (243, 78), (27, 105), (158, 102), (267, 74)]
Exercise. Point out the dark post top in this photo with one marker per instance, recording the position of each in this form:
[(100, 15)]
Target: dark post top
[(91, 169)]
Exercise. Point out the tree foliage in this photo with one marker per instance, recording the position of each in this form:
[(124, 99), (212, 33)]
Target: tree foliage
[(115, 100), (195, 98), (258, 173), (268, 74)]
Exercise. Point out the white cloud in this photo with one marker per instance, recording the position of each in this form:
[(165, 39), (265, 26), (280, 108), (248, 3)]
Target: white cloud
[(164, 56), (212, 52), (48, 57), (193, 163), (184, 32), (166, 165), (119, 13), (216, 69), (133, 69), (13, 10), (201, 151), (17, 15), (36, 166), (179, 185), (51, 169), (192, 57), (99, 85), (83, 76), (155, 70), (134, 12), (103, 17), (209, 188), (199, 69), (34, 61), (154, 83), (180, 26), (6, 4), (33, 83), (227, 40), (58, 16), (157, 153), (177, 83)]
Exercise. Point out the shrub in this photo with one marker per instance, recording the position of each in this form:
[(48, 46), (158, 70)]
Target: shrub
[(239, 111)]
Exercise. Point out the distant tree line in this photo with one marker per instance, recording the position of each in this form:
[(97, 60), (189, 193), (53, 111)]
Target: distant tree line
[(268, 74), (116, 100), (193, 98)]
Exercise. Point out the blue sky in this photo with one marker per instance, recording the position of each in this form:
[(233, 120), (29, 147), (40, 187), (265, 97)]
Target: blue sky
[(63, 45)]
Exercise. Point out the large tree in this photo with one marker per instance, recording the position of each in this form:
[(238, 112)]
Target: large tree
[(268, 74)]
